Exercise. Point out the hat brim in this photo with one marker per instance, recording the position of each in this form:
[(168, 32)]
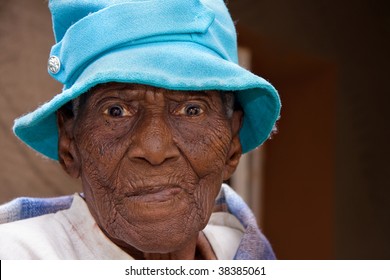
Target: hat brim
[(171, 65)]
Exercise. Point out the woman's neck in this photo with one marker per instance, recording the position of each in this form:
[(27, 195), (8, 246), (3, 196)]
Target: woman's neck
[(198, 248)]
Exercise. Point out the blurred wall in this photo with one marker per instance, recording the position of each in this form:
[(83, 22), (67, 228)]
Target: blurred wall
[(25, 42), (354, 37)]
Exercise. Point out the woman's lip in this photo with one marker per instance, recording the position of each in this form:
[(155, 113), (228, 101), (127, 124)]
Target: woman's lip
[(155, 194)]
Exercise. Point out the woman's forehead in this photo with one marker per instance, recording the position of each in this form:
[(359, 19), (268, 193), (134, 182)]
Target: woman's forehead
[(138, 91)]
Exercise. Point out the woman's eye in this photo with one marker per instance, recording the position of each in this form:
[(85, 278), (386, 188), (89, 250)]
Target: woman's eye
[(116, 111), (192, 110)]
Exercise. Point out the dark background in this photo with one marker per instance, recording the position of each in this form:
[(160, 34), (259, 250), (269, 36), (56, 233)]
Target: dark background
[(326, 191)]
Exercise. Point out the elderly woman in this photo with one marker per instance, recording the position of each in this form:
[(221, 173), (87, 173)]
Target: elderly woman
[(154, 116)]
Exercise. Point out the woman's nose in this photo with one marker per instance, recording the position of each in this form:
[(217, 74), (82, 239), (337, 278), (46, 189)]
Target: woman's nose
[(153, 140)]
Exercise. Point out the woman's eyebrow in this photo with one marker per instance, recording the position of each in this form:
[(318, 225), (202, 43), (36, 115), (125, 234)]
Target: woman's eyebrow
[(118, 92)]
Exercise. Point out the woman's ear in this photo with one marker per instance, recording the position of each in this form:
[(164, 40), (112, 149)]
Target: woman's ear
[(235, 150), (67, 153)]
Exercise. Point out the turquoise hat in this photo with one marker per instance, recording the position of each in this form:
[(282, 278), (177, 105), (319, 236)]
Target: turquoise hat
[(173, 44)]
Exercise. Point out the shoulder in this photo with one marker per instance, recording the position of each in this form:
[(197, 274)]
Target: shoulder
[(71, 233), (253, 245), (30, 228), (29, 238)]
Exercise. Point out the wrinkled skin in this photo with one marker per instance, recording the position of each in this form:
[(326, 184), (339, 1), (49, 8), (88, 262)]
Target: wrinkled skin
[(151, 162)]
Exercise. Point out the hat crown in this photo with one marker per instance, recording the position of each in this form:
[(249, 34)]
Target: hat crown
[(86, 29), (65, 13)]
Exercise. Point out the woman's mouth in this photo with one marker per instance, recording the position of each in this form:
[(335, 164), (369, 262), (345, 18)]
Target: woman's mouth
[(155, 194)]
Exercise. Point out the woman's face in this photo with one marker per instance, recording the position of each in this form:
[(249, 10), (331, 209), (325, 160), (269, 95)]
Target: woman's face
[(152, 161)]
